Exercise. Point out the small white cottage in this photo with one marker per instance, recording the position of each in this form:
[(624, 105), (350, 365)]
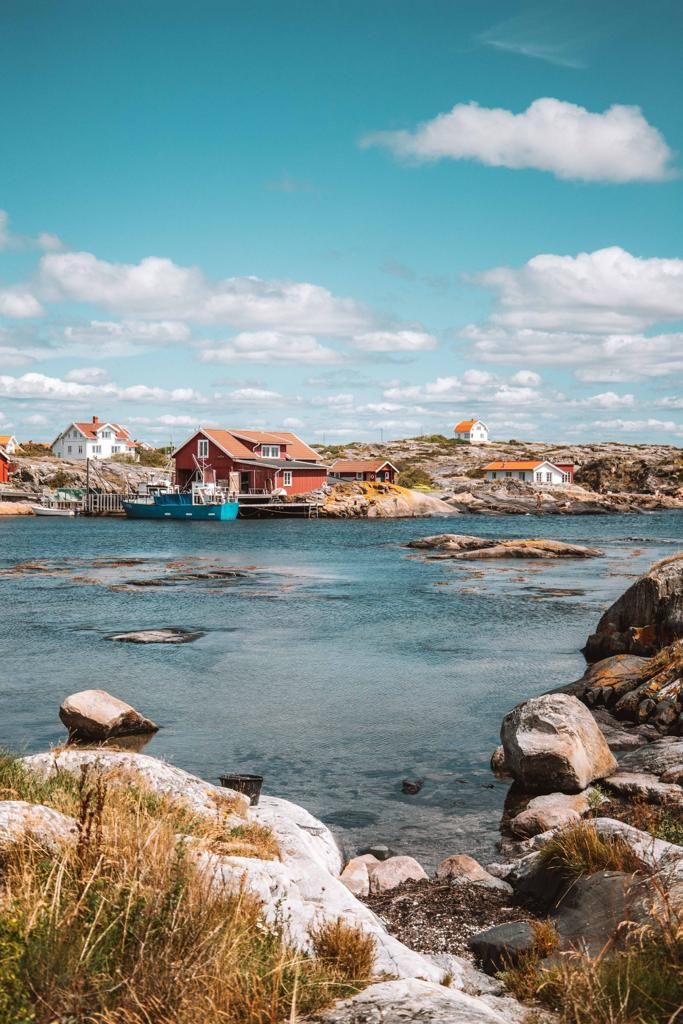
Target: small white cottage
[(93, 440), (531, 472), (472, 431)]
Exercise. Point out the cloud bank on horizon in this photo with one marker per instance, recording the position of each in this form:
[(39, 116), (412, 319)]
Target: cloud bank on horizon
[(519, 259)]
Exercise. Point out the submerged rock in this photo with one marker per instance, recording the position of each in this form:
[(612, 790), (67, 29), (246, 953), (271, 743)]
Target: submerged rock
[(552, 744), (166, 635), (412, 786), (647, 617), (96, 715), (462, 546)]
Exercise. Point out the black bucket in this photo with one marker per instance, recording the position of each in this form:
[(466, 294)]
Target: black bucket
[(250, 785)]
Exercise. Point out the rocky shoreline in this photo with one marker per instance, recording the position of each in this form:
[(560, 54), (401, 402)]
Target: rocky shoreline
[(591, 841)]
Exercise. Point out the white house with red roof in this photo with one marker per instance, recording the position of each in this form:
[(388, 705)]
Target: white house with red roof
[(250, 461), (93, 440), (472, 431), (9, 443), (532, 471)]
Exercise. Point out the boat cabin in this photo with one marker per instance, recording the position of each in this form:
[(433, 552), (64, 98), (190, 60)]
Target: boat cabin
[(250, 462), (371, 470)]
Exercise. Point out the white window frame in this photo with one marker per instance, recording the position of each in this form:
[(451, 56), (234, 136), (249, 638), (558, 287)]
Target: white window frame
[(287, 478), (202, 448), (97, 449), (270, 451), (549, 478)]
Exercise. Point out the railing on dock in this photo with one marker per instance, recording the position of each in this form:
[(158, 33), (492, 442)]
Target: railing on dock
[(105, 504)]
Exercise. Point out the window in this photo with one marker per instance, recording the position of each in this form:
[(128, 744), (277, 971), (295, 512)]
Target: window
[(203, 449), (508, 474), (549, 478), (287, 478), (106, 434), (97, 449), (115, 448), (270, 451), (539, 477), (359, 476), (69, 449), (80, 449), (521, 474)]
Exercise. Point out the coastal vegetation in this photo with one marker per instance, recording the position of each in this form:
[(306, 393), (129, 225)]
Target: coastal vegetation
[(580, 849), (122, 927)]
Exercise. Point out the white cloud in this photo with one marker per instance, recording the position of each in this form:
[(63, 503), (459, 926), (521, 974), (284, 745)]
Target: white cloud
[(8, 240), (637, 426), (37, 385), (87, 375), (19, 303), (527, 378), (269, 347), (339, 401), (151, 332), (609, 400), (292, 422), (477, 377), (395, 341), (160, 289), (167, 420), (618, 145), (249, 395)]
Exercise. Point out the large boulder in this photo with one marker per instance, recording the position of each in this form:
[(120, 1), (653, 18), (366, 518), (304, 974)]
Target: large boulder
[(552, 744), (503, 944), (594, 912), (420, 1002), (390, 873), (647, 617), (463, 546), (656, 758), (552, 810), (121, 768), (461, 868), (96, 715), (42, 826)]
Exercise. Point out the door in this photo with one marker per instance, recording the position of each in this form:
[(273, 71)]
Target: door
[(244, 483)]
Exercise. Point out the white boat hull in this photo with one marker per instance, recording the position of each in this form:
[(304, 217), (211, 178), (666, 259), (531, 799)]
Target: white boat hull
[(44, 510)]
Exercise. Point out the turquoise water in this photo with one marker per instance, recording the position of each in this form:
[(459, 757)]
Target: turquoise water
[(339, 664)]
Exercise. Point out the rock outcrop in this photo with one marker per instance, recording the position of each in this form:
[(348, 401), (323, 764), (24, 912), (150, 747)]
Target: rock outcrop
[(381, 501), (96, 715), (552, 744), (646, 618), (164, 635), (42, 826), (467, 548)]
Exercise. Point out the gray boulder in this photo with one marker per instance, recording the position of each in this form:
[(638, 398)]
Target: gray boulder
[(595, 910), (656, 758), (647, 617), (644, 786), (96, 715), (553, 810), (552, 744), (503, 944)]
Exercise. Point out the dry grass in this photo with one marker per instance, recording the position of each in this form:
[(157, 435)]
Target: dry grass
[(580, 850), (122, 928)]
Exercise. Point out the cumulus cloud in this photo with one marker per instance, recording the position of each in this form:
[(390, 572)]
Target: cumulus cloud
[(395, 341), (19, 303), (87, 375), (618, 145), (526, 378), (462, 389), (159, 289), (252, 395), (638, 426), (269, 347), (609, 400), (8, 240), (151, 332), (38, 385)]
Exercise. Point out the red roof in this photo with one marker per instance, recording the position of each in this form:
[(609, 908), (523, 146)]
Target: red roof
[(90, 430), (360, 465), (232, 442), (464, 426), (522, 464)]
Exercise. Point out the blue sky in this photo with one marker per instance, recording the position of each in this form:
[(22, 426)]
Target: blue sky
[(354, 219)]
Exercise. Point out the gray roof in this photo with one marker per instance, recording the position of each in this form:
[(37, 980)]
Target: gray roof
[(280, 463)]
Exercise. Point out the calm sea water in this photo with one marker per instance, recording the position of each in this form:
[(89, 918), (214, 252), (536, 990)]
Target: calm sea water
[(339, 665)]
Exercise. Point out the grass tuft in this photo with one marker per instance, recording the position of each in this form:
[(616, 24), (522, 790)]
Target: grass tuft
[(121, 928), (580, 850)]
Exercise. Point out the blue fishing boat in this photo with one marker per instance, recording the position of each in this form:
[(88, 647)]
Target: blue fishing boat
[(204, 502)]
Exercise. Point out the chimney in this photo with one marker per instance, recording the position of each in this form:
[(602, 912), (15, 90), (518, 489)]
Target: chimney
[(95, 420)]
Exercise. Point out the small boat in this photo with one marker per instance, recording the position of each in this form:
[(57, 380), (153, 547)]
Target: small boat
[(205, 502), (52, 510)]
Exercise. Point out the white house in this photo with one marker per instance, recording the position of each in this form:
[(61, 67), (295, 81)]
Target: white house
[(473, 431), (94, 440), (9, 443), (531, 471)]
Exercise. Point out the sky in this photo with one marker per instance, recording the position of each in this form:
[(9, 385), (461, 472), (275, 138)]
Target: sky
[(354, 219)]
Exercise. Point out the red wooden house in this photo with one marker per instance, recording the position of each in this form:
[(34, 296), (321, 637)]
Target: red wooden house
[(373, 470), (4, 466), (251, 461)]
